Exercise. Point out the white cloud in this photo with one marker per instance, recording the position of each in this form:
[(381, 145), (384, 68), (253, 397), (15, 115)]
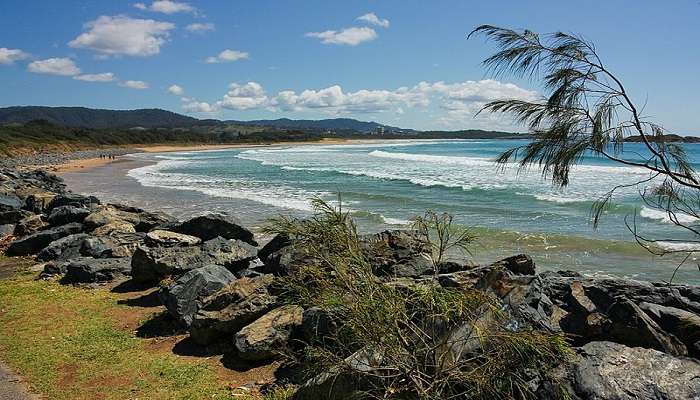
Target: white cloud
[(9, 56), (103, 77), (200, 28), (348, 36), (371, 18), (176, 90), (166, 7), (192, 105), (134, 84), (244, 97), (227, 56), (122, 35), (54, 66)]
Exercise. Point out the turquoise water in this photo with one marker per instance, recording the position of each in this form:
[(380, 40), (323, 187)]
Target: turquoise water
[(385, 184)]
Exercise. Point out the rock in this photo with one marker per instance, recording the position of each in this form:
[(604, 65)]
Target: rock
[(39, 201), (150, 220), (6, 230), (9, 202), (106, 215), (163, 238), (611, 371), (342, 383), (227, 311), (72, 199), (124, 244), (13, 216), (682, 324), (285, 261), (414, 267), (29, 225), (392, 247), (521, 264), (32, 244), (63, 249), (182, 298), (114, 226), (267, 336), (209, 226), (150, 264), (97, 247), (66, 214), (277, 242), (316, 325), (90, 270)]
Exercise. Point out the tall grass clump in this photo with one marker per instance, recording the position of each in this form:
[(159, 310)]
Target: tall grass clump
[(405, 338)]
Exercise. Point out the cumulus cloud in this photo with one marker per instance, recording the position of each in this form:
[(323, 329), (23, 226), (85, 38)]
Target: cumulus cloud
[(9, 56), (122, 35), (200, 28), (134, 84), (54, 66), (176, 90), (247, 96), (192, 105), (227, 56), (371, 18), (348, 36), (166, 7), (103, 77)]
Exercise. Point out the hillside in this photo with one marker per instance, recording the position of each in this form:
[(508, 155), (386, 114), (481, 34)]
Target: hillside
[(333, 124)]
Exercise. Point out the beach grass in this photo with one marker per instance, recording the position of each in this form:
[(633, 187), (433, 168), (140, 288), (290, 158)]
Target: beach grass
[(69, 343)]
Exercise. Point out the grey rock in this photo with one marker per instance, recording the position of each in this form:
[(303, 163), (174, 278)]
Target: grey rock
[(72, 199), (316, 325), (7, 230), (91, 270), (13, 216), (611, 371), (520, 264), (682, 324), (9, 202), (209, 226), (391, 247), (159, 237), (151, 220), (267, 336), (183, 297), (150, 264), (66, 214), (275, 244), (29, 225), (228, 310), (32, 244), (63, 249)]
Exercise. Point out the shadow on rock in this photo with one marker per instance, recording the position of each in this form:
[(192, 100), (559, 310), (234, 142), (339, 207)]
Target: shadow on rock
[(160, 325), (232, 361)]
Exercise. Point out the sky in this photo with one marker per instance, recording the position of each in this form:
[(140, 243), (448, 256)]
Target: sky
[(403, 63)]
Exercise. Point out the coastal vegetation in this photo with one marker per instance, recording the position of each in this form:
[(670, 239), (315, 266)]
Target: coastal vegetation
[(588, 110)]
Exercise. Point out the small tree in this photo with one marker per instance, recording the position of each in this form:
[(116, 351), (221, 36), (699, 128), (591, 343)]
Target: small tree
[(588, 110)]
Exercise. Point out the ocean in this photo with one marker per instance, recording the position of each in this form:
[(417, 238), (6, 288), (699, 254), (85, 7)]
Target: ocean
[(385, 184)]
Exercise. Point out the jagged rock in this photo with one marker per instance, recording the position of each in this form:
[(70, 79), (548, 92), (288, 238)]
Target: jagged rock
[(150, 264), (107, 215), (66, 214), (39, 201), (72, 199), (682, 324), (227, 311), (285, 261), (124, 244), (275, 244), (209, 226), (182, 298), (150, 220), (520, 264), (392, 247), (163, 238), (316, 325), (63, 249), (611, 371), (268, 335), (13, 216), (96, 247), (29, 225), (114, 226), (9, 202), (32, 244), (630, 326), (91, 270), (6, 230)]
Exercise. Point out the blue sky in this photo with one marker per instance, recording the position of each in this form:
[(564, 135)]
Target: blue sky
[(403, 63)]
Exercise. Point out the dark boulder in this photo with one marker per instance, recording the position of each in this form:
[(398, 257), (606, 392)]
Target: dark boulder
[(63, 249), (91, 270), (151, 220), (182, 298), (611, 371), (316, 325), (39, 201), (285, 261), (267, 336), (6, 230), (520, 264), (66, 214), (32, 244), (72, 199), (682, 324), (391, 247), (227, 311), (150, 264), (29, 225), (9, 202), (275, 244), (209, 226), (13, 216)]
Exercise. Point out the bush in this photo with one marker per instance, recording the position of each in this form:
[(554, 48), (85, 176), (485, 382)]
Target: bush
[(407, 339)]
